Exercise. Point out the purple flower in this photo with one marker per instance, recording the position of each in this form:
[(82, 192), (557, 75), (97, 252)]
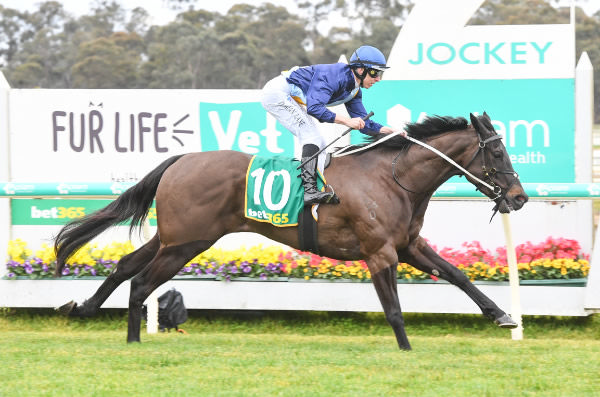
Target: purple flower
[(11, 275), (246, 269), (263, 276), (65, 271)]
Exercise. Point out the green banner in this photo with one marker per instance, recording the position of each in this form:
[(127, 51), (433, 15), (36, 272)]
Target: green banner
[(58, 211), (245, 127), (534, 116)]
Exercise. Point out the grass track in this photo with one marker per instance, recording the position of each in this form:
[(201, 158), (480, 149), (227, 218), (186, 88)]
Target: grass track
[(297, 354)]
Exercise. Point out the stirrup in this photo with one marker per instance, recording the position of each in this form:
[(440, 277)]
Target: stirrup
[(334, 198), (320, 198)]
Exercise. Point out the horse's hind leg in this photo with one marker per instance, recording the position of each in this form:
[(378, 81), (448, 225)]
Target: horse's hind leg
[(421, 256), (167, 262), (386, 285), (128, 266)]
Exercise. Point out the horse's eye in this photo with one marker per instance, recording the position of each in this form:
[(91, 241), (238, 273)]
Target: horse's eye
[(497, 154)]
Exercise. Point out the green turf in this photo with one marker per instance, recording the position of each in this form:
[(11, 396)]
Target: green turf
[(297, 354)]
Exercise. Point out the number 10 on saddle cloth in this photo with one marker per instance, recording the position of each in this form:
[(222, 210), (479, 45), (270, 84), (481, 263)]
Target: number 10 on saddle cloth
[(274, 191)]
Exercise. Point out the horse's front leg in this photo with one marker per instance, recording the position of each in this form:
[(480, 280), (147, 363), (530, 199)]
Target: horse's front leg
[(421, 256), (383, 274)]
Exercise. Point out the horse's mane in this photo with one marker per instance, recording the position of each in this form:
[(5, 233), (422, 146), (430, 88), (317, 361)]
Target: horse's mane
[(430, 126)]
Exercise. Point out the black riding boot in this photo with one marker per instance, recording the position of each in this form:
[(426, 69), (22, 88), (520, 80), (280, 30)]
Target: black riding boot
[(308, 174)]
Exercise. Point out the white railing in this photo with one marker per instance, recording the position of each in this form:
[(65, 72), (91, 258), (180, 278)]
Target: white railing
[(587, 300)]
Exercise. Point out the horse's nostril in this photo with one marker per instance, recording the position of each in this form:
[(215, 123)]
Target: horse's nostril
[(521, 198)]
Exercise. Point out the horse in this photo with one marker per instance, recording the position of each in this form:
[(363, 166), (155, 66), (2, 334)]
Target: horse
[(384, 191)]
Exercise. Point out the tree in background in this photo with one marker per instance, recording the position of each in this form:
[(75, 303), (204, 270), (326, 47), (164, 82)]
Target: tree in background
[(56, 50), (179, 54), (108, 62), (110, 48)]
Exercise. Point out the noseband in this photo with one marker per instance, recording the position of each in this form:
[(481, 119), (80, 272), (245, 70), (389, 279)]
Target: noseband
[(489, 173)]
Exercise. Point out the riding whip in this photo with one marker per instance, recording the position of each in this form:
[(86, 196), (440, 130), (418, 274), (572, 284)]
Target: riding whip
[(332, 142)]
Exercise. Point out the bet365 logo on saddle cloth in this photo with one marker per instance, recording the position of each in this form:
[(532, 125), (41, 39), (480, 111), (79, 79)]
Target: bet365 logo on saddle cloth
[(274, 191)]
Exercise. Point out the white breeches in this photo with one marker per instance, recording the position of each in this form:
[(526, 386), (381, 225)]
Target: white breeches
[(276, 100)]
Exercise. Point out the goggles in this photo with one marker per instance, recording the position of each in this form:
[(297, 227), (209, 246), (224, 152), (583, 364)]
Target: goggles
[(374, 73)]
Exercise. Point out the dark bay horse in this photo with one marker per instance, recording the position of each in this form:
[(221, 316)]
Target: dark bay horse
[(384, 193)]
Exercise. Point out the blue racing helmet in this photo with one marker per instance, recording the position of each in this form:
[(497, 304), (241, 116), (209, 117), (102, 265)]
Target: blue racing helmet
[(369, 57)]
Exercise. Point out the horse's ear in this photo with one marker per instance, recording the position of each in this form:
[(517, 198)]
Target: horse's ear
[(474, 121)]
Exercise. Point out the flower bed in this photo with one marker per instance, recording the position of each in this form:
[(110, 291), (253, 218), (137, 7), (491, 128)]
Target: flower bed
[(553, 259)]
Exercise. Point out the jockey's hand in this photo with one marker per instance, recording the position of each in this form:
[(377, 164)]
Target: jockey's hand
[(356, 123)]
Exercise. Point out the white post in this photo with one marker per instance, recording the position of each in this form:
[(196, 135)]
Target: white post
[(513, 277), (584, 120), (152, 301), (5, 216)]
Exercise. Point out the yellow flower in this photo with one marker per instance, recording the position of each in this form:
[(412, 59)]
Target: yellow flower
[(563, 271)]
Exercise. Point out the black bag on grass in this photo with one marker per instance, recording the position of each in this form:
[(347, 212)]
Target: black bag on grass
[(171, 310)]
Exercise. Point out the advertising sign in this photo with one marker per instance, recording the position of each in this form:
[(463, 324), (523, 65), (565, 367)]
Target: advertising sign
[(120, 135), (522, 76), (532, 115), (244, 127), (59, 212)]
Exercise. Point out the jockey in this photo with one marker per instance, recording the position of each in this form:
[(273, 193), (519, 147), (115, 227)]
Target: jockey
[(299, 96)]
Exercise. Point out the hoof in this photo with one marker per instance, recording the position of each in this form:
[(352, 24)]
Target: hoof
[(506, 322), (67, 308)]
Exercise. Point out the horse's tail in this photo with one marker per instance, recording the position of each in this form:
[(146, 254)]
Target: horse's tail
[(132, 204)]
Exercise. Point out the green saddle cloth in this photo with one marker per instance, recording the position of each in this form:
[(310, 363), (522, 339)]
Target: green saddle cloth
[(274, 191)]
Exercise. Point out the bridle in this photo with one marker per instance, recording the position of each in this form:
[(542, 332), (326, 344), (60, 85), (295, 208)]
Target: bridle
[(489, 173)]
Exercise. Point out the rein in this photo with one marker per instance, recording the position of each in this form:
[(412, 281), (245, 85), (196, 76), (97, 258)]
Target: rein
[(343, 152), (487, 172), (455, 164)]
